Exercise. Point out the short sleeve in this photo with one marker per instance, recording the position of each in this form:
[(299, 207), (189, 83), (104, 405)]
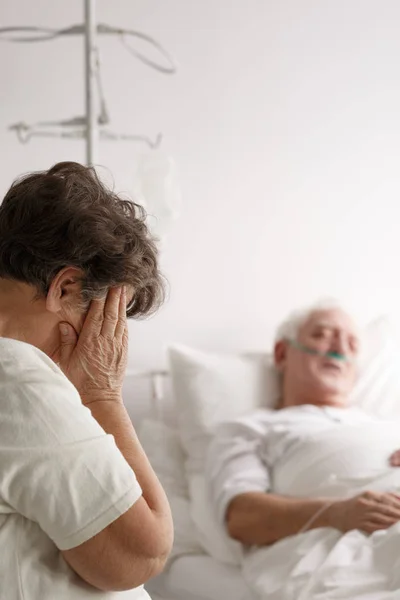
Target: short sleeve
[(234, 465), (59, 468)]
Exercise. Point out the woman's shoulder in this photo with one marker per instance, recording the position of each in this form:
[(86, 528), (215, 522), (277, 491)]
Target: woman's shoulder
[(23, 365), (17, 356)]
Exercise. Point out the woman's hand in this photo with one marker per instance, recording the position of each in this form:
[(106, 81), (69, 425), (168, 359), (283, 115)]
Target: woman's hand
[(95, 361), (368, 512)]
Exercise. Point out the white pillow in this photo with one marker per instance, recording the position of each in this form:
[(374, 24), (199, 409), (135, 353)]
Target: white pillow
[(162, 447), (378, 387), (211, 388)]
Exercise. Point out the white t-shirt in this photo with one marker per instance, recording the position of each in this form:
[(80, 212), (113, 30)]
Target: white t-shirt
[(62, 480), (246, 453)]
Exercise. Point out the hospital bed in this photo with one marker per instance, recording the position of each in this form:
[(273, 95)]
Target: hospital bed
[(207, 389), (193, 575)]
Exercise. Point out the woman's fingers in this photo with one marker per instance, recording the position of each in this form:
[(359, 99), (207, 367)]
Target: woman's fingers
[(93, 320), (97, 362), (68, 339), (122, 320), (111, 312), (106, 316)]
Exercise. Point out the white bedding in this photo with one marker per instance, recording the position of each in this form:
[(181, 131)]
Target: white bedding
[(318, 565), (337, 462), (323, 564), (199, 577)]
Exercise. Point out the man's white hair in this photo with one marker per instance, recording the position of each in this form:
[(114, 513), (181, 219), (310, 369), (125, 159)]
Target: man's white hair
[(289, 329)]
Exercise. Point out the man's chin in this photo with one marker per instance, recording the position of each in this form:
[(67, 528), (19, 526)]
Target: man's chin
[(329, 384)]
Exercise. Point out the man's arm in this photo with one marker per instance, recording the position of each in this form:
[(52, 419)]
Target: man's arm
[(233, 465), (257, 518), (260, 519), (239, 485)]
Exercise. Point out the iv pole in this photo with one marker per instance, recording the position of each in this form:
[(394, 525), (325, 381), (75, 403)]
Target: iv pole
[(91, 137), (92, 125)]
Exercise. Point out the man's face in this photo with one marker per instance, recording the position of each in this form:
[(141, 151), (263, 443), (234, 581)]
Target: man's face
[(324, 331)]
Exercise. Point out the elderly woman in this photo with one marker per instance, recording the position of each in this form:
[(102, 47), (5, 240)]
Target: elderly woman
[(82, 514)]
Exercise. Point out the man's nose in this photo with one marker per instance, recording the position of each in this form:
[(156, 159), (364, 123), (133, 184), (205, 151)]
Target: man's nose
[(339, 344)]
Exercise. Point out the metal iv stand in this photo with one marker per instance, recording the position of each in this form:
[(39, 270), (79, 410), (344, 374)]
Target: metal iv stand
[(90, 127)]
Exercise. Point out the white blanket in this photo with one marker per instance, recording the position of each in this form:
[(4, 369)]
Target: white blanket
[(324, 564)]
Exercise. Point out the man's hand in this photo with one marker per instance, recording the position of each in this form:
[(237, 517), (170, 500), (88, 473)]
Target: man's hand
[(95, 362), (368, 512)]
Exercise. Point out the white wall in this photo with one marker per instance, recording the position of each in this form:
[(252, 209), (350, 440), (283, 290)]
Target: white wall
[(285, 122)]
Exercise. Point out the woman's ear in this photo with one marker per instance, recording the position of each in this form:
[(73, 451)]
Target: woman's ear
[(280, 354), (65, 291)]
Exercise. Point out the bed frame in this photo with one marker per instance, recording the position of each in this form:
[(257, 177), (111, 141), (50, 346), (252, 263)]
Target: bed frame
[(157, 379)]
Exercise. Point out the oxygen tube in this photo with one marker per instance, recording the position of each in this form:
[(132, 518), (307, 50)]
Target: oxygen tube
[(335, 355)]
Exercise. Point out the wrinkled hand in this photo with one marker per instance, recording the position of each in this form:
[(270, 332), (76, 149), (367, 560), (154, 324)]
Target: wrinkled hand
[(95, 361), (368, 512)]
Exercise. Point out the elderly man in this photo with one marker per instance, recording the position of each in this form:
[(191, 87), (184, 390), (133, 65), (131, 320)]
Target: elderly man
[(316, 354)]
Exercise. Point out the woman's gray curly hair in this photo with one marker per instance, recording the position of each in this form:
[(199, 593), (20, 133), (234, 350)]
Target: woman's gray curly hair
[(67, 217)]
